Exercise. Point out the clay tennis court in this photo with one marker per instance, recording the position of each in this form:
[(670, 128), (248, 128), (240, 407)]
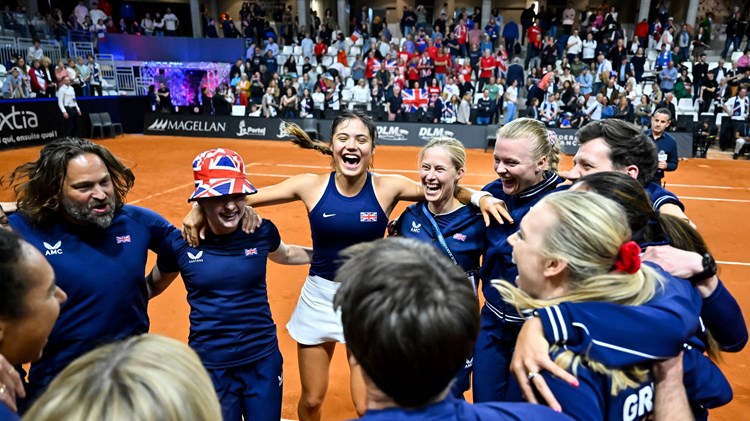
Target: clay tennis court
[(716, 193)]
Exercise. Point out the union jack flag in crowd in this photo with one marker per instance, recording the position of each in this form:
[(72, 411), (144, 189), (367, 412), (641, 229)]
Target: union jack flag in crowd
[(390, 65), (414, 99), (376, 65), (368, 217), (123, 239), (251, 252)]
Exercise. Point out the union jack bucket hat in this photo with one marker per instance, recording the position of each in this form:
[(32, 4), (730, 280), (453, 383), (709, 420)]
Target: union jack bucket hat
[(219, 172)]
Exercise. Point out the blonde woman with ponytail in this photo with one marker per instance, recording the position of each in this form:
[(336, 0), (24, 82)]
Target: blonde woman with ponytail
[(349, 205), (576, 247), (526, 157)]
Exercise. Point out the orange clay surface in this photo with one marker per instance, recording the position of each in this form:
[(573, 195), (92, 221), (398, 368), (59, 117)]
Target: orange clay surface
[(716, 193)]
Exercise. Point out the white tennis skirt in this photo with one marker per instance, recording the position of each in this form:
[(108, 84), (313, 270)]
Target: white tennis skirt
[(314, 320)]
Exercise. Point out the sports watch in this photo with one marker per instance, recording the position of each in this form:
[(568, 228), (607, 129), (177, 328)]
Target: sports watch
[(709, 269)]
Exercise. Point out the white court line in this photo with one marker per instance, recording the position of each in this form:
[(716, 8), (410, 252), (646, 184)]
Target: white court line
[(733, 263), (316, 167), (698, 186), (151, 196), (714, 199), (385, 170)]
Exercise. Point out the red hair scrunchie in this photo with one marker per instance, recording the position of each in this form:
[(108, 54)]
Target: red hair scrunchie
[(628, 258)]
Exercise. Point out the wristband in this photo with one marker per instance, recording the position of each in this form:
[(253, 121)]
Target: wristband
[(477, 196)]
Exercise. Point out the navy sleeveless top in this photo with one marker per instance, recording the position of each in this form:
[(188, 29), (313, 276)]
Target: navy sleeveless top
[(337, 222)]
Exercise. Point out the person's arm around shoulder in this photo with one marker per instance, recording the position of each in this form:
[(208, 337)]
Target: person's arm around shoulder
[(291, 254), (671, 401), (158, 281)]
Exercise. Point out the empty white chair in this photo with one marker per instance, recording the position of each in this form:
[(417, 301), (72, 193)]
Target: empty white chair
[(287, 50), (685, 104), (297, 50), (355, 50)]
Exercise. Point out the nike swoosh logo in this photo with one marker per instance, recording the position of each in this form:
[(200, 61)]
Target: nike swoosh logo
[(328, 215)]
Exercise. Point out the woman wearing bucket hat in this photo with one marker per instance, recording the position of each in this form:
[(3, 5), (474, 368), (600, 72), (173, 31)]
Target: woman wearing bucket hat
[(347, 206), (231, 327)]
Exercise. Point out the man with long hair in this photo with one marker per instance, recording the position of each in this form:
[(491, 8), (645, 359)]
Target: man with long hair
[(71, 207)]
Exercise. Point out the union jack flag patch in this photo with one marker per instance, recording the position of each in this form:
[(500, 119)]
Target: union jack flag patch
[(368, 217), (459, 237), (123, 239), (251, 252)]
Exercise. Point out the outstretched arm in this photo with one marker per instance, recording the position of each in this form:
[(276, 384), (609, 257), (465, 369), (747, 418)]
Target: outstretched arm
[(291, 255)]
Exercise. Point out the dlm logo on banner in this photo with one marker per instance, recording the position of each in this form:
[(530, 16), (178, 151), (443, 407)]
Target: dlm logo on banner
[(27, 123)]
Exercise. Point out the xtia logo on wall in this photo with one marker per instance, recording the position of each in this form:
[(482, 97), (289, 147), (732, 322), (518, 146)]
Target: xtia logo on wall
[(15, 120), (427, 133), (163, 124), (393, 133), (245, 131)]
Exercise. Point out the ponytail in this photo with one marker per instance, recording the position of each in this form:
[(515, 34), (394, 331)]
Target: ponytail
[(303, 140)]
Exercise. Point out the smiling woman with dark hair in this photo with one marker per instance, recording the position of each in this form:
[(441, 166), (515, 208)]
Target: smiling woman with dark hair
[(29, 305)]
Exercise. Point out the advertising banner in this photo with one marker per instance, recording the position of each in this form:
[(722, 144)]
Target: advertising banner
[(389, 133), (28, 123)]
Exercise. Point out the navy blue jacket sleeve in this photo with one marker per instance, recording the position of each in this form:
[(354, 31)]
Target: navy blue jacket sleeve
[(672, 157), (722, 316), (704, 381), (618, 335)]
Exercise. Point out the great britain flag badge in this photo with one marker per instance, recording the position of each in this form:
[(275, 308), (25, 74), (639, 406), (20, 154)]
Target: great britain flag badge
[(251, 251), (368, 217)]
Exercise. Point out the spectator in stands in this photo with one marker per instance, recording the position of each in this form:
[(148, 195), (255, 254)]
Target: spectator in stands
[(700, 42), (165, 98), (395, 104), (511, 100), (549, 111), (272, 47), (703, 138), (735, 30), (668, 76), (360, 95), (38, 80), (153, 99), (463, 115), (80, 12), (624, 110), (95, 75), (643, 112), (289, 104), (568, 18), (147, 24), (683, 86), (97, 14), (603, 71), (589, 46), (171, 23), (484, 108), (670, 105), (35, 52), (84, 73), (14, 86), (611, 91), (306, 83), (306, 104), (269, 106)]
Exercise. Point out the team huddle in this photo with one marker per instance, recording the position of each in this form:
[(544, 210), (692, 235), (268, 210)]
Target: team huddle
[(601, 299)]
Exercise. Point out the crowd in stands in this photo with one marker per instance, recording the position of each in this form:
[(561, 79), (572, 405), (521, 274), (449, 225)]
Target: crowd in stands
[(563, 67), (34, 76)]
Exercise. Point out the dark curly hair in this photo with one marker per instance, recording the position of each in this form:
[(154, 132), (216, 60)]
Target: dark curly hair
[(38, 184)]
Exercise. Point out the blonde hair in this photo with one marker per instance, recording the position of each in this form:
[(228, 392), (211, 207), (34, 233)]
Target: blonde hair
[(544, 142), (452, 146), (588, 234), (143, 378)]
